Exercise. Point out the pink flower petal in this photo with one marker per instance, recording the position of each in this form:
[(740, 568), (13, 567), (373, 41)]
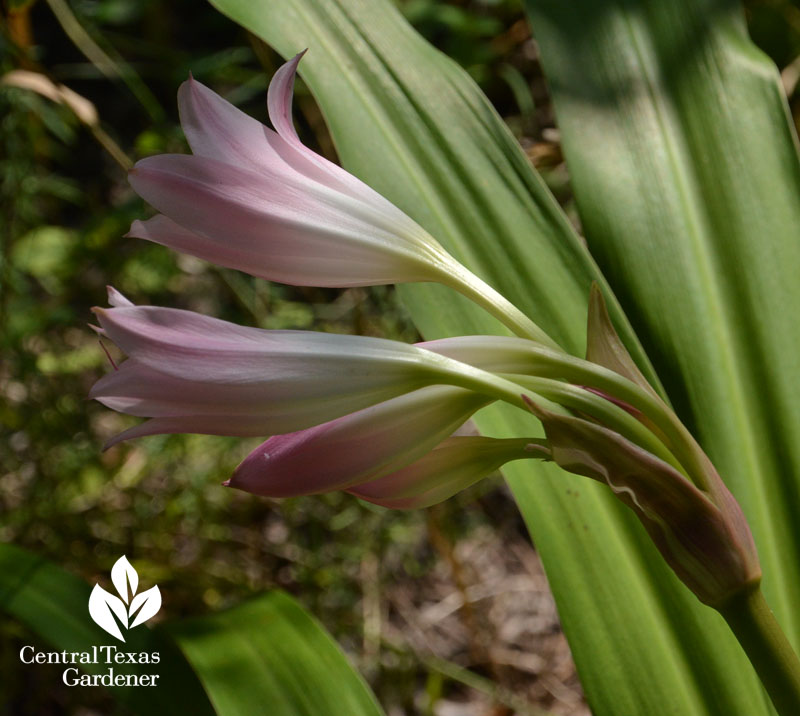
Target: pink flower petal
[(357, 447), (259, 201), (279, 100), (280, 227), (201, 348), (183, 406), (279, 105), (137, 389), (162, 230), (241, 426), (185, 365), (115, 298), (215, 129), (450, 467)]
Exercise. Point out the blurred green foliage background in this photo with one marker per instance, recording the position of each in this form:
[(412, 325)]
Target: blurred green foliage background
[(367, 573)]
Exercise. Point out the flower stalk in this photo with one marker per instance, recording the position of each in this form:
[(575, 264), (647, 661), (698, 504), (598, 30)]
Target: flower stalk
[(497, 305), (776, 663)]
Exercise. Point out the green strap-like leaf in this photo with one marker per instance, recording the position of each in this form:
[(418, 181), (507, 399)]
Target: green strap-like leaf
[(414, 126), (268, 656), (685, 168), (54, 604)]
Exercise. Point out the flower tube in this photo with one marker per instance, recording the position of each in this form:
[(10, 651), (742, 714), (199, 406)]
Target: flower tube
[(452, 466), (257, 200), (358, 447)]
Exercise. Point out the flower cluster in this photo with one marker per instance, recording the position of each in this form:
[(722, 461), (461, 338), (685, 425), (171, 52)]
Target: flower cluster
[(378, 418)]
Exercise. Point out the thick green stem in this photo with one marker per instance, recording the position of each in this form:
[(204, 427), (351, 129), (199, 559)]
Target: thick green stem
[(609, 415), (547, 363), (678, 438), (477, 290), (500, 388), (767, 647)]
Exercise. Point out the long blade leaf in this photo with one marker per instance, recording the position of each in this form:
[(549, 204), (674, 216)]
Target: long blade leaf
[(693, 203), (269, 656)]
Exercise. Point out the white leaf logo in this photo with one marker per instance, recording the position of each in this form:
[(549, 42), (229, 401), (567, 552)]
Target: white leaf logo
[(122, 574), (148, 603), (101, 606), (104, 606)]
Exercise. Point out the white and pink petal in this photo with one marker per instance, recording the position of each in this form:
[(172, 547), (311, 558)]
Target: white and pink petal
[(183, 364), (358, 447), (279, 226), (453, 465)]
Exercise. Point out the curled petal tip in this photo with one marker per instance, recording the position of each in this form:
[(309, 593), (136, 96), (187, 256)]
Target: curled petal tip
[(190, 84), (296, 59), (117, 299), (108, 444), (279, 99), (135, 232)]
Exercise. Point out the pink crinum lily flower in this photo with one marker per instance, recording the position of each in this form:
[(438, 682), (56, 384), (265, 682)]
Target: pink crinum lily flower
[(379, 418), (258, 200), (362, 408), (193, 373)]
